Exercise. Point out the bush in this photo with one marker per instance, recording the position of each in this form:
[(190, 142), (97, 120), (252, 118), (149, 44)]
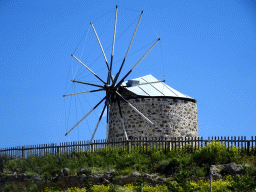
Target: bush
[(242, 183), (215, 152)]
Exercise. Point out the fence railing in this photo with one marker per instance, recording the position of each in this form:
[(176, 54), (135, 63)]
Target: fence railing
[(143, 144)]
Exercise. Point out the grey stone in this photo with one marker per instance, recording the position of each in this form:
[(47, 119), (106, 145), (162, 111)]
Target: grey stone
[(37, 178), (132, 178), (233, 168), (97, 178), (65, 171), (83, 171), (218, 171), (109, 174), (215, 171), (160, 179)]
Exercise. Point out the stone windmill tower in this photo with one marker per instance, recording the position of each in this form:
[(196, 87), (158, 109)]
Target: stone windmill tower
[(142, 107), (173, 113)]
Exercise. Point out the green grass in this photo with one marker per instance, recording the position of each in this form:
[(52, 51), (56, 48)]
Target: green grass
[(181, 165)]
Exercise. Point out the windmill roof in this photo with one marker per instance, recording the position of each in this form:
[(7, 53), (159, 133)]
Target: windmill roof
[(153, 90)]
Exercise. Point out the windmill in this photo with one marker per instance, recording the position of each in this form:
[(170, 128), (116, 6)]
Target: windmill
[(112, 86)]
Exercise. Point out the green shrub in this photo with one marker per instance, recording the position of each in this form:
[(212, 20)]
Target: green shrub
[(88, 181), (242, 183)]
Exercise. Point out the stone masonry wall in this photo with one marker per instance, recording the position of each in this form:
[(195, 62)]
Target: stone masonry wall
[(171, 118)]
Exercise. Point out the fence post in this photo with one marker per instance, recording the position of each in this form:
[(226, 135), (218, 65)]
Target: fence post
[(129, 146), (248, 147), (23, 152), (169, 147), (92, 147), (206, 141), (58, 151)]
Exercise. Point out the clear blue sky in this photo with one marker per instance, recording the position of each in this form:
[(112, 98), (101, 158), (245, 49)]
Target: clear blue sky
[(207, 51)]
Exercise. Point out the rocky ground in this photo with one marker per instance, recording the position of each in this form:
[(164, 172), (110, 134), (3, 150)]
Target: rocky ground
[(64, 177)]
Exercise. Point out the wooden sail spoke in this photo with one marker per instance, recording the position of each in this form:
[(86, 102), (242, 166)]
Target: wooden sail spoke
[(83, 92), (117, 75), (137, 63), (98, 123), (88, 69), (144, 84), (85, 116), (74, 81)]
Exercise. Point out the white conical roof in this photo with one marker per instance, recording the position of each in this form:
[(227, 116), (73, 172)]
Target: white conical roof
[(156, 89)]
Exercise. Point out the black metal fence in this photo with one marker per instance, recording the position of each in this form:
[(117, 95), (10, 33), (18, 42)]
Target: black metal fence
[(142, 144)]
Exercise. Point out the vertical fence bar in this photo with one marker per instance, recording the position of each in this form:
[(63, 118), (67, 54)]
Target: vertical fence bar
[(172, 141), (198, 142), (38, 152), (182, 142), (228, 142), (93, 146), (225, 142), (23, 152), (185, 142), (70, 148), (235, 140), (175, 138), (245, 143), (48, 149), (252, 144), (248, 147), (194, 141), (58, 150), (254, 149), (67, 147), (239, 143), (231, 142), (202, 139), (13, 152), (242, 144), (44, 149), (215, 141), (62, 148), (255, 145), (129, 146), (209, 140)]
